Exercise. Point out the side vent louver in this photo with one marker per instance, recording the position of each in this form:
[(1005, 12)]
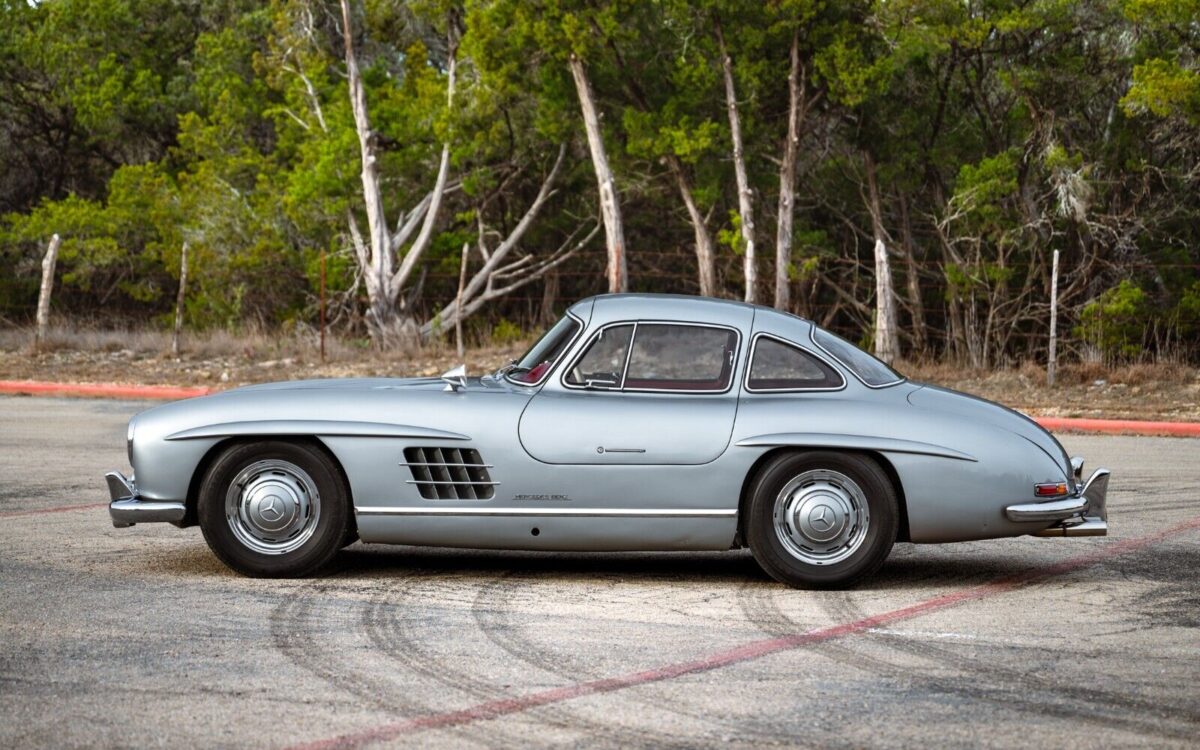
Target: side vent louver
[(449, 473)]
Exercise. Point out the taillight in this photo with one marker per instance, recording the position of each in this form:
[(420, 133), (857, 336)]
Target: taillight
[(1050, 489)]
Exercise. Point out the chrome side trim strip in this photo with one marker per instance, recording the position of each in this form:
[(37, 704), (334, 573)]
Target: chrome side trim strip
[(425, 510), (313, 427)]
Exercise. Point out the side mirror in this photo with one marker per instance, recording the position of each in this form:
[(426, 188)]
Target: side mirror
[(456, 379)]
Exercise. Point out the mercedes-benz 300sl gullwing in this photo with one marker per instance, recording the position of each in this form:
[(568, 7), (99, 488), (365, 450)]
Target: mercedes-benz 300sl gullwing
[(637, 422)]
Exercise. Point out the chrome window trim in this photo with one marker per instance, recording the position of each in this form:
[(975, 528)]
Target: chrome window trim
[(555, 366), (750, 364), (812, 335), (629, 355)]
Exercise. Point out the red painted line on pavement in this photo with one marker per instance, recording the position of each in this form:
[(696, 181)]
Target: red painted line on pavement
[(747, 652), (1121, 426), (57, 509), (102, 390)]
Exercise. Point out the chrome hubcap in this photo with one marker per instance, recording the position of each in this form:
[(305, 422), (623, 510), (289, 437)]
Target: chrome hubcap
[(273, 507), (821, 517)]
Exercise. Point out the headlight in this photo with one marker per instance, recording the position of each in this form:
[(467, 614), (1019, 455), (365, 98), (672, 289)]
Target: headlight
[(129, 440)]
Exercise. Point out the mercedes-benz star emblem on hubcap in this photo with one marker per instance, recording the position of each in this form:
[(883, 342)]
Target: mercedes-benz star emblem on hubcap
[(269, 509), (820, 518)]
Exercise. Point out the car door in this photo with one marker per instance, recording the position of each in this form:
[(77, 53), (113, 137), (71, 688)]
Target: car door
[(639, 392)]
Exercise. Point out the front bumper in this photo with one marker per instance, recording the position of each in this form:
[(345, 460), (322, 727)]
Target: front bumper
[(1083, 514), (126, 508)]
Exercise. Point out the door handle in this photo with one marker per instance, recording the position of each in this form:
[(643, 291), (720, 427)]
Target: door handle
[(602, 449)]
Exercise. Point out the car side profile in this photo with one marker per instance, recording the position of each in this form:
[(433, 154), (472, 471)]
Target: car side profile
[(636, 422)]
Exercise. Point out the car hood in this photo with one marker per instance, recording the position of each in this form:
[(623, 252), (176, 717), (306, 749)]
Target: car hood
[(972, 407), (352, 384)]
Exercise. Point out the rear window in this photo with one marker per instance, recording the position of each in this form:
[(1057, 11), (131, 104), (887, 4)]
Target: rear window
[(778, 366), (868, 369)]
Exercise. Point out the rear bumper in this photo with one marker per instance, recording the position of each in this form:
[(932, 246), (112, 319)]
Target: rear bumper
[(126, 508), (1082, 514)]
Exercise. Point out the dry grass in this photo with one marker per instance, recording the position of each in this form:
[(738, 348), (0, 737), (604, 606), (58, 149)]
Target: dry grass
[(1165, 390)]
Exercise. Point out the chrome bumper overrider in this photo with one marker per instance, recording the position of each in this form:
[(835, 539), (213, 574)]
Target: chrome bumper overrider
[(1082, 514), (127, 508)]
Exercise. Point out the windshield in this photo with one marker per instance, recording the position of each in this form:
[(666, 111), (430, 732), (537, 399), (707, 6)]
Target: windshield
[(536, 362), (868, 369)]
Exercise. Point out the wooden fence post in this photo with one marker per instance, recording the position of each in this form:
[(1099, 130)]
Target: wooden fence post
[(1053, 357), (183, 266), (43, 308)]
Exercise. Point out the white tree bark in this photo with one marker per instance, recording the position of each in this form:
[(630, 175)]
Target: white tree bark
[(886, 346), (745, 196), (49, 262), (787, 181), (376, 254), (706, 263), (610, 208), (183, 269)]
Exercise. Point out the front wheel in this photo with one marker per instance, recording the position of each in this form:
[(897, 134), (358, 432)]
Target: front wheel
[(274, 508), (821, 519)]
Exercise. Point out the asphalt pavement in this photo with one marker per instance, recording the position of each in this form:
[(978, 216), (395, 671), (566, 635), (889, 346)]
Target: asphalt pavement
[(140, 637)]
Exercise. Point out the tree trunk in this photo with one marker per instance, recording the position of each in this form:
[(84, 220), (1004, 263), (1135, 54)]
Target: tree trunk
[(43, 308), (745, 196), (376, 255), (610, 208), (381, 312), (886, 347), (920, 340), (706, 255), (787, 182), (183, 266)]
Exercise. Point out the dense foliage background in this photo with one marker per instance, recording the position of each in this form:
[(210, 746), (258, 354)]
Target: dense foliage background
[(971, 138)]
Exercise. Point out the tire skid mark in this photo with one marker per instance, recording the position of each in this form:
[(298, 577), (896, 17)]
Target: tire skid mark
[(387, 622), (748, 651), (495, 600), (294, 628), (982, 680), (762, 608)]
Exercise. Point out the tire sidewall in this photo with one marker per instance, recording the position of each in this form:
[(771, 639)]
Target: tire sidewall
[(332, 525), (882, 506)]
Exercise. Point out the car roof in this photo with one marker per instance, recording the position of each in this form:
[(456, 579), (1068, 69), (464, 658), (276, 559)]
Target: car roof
[(676, 305)]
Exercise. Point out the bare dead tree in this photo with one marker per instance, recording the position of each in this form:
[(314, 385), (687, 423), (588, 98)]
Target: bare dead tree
[(886, 346), (378, 253), (787, 177), (610, 207), (498, 275), (745, 195)]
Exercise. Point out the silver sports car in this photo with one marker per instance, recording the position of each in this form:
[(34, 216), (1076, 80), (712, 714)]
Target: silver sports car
[(637, 422)]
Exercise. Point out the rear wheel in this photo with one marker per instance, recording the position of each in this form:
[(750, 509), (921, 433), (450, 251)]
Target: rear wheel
[(274, 508), (821, 519)]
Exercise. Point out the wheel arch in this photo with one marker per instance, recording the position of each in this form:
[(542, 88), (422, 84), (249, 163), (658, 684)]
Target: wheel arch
[(193, 493), (902, 535)]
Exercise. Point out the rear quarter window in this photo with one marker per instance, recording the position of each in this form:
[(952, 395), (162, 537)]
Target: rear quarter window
[(868, 369)]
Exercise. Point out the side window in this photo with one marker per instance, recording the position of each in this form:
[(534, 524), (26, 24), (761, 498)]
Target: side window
[(603, 363), (777, 366), (681, 358)]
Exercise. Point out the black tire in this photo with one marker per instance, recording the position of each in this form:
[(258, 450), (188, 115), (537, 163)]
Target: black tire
[(317, 541), (862, 556)]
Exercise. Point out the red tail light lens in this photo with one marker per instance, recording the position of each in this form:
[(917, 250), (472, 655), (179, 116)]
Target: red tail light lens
[(1050, 489)]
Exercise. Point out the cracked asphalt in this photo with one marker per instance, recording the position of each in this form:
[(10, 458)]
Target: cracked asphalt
[(139, 637)]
